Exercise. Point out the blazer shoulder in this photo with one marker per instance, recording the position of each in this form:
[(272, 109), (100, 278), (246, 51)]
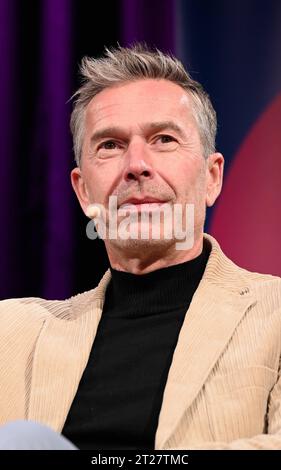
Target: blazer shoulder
[(32, 307), (224, 272), (36, 308), (259, 279), (266, 287)]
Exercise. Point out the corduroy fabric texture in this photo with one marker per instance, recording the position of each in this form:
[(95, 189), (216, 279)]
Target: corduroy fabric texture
[(223, 389)]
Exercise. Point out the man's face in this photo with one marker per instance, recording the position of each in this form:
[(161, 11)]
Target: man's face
[(141, 142)]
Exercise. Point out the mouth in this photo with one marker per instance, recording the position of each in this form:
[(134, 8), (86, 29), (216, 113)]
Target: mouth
[(142, 203)]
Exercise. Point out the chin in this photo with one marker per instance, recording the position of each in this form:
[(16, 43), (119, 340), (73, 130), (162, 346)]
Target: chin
[(137, 246)]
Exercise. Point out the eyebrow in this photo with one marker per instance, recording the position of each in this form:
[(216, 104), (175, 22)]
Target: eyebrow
[(107, 132), (164, 125), (152, 126)]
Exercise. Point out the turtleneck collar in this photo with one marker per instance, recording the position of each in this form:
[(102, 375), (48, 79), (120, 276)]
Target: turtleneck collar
[(161, 290)]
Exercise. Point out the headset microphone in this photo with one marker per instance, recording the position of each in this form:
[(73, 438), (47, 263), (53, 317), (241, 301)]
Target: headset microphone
[(93, 211)]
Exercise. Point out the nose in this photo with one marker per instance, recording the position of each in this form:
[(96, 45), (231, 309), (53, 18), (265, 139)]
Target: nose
[(138, 164)]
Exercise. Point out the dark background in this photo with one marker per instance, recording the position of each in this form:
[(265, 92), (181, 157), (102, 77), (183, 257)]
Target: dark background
[(232, 48)]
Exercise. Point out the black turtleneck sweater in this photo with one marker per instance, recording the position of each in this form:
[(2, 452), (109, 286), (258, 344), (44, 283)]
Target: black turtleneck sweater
[(119, 397)]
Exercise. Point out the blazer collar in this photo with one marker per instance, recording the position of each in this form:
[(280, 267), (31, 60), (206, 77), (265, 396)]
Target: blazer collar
[(210, 322), (220, 301), (61, 355)]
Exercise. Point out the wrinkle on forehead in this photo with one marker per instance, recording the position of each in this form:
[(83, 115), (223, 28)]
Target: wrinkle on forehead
[(114, 104), (141, 89)]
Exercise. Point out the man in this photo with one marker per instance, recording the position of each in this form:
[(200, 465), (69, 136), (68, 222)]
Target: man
[(177, 347)]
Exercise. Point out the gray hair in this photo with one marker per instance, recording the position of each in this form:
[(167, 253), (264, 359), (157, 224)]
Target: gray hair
[(121, 65)]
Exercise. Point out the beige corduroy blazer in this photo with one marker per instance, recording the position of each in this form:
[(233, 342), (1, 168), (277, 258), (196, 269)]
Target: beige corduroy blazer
[(223, 389)]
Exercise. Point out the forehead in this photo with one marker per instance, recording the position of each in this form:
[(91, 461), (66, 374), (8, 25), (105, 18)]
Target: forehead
[(134, 102)]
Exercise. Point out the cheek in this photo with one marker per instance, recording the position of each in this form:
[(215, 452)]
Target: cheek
[(184, 179), (189, 183), (99, 180)]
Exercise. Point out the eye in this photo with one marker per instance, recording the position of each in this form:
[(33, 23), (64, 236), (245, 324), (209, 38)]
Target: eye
[(165, 139), (165, 143), (109, 148), (108, 145)]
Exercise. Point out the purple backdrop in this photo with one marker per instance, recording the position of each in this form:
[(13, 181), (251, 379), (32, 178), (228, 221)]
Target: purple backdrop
[(232, 48), (56, 78), (38, 244), (151, 21)]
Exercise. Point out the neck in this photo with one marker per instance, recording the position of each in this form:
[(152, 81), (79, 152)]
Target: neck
[(145, 259)]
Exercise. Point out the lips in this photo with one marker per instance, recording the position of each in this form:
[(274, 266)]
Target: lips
[(139, 201)]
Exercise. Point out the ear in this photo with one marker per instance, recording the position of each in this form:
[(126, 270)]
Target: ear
[(80, 188), (215, 165)]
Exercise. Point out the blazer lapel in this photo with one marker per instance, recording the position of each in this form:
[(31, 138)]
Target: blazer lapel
[(61, 355), (58, 366), (209, 324)]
